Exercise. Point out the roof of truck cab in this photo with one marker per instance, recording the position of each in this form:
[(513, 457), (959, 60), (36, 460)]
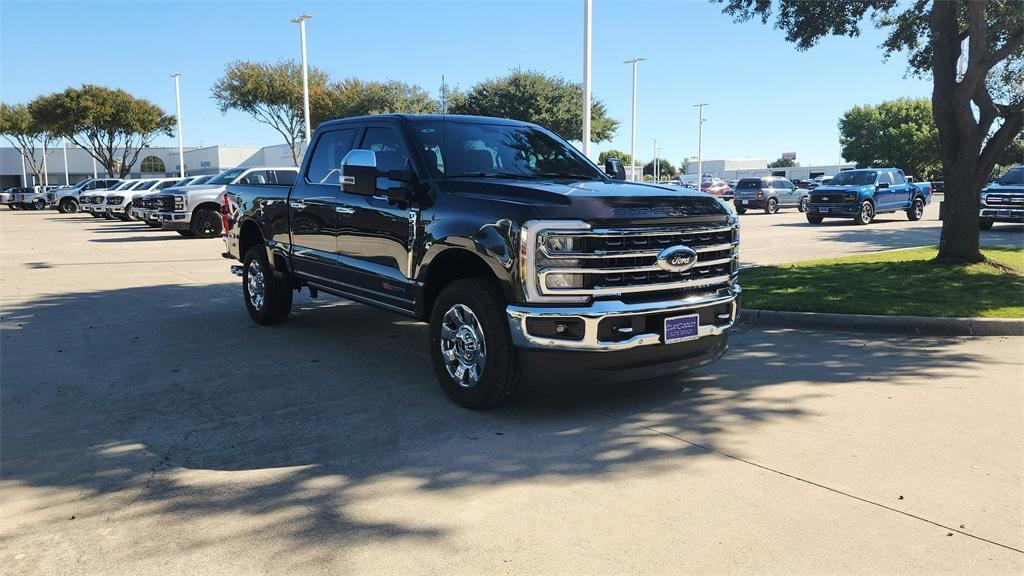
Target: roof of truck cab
[(427, 118)]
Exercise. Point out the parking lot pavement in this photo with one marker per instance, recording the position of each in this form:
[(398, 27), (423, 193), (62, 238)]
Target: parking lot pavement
[(148, 427), (770, 239)]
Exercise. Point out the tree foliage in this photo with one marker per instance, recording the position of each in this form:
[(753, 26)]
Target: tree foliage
[(111, 125), (550, 101), (665, 170), (355, 97), (898, 133), (24, 131), (624, 156), (783, 163), (272, 95), (974, 53)]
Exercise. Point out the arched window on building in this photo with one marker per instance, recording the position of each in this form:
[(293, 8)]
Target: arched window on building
[(152, 164)]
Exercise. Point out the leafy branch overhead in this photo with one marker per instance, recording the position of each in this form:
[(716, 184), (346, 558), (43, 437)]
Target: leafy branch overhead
[(974, 53)]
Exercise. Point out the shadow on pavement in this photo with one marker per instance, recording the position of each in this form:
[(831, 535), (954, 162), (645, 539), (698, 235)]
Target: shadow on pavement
[(124, 394)]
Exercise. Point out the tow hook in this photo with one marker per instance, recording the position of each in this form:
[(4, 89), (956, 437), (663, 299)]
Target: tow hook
[(236, 270)]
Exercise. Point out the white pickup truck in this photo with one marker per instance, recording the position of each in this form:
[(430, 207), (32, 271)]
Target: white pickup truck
[(194, 211)]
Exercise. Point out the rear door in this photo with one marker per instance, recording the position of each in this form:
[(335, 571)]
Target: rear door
[(374, 238), (884, 197), (901, 193), (313, 217)]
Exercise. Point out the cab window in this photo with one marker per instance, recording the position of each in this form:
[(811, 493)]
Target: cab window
[(325, 164)]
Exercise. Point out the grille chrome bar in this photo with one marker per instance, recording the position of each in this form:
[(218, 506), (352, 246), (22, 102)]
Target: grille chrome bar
[(605, 254), (628, 269), (633, 289)]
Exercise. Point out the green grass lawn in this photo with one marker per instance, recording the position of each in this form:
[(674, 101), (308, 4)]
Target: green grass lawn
[(901, 282)]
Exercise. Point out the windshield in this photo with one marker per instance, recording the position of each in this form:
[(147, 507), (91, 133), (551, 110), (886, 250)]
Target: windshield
[(457, 149), (144, 185), (226, 177), (125, 185), (200, 180), (1014, 176), (854, 178)]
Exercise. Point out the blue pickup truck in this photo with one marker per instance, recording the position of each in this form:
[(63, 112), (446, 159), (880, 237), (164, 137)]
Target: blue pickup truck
[(861, 194), (1003, 200)]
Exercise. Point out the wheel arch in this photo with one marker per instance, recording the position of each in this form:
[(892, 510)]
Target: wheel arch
[(449, 265)]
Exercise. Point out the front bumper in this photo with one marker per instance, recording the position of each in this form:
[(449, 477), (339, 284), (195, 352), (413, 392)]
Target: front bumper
[(1003, 214), (833, 210), (173, 220), (614, 326)]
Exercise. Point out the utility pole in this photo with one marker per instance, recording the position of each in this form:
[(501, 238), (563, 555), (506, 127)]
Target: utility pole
[(177, 104), (587, 8), (632, 139), (700, 144), (301, 21)]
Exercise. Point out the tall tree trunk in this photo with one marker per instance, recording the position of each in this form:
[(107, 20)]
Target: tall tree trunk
[(960, 241)]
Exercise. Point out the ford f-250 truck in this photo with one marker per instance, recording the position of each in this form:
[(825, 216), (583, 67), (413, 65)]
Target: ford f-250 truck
[(525, 258), (862, 194), (1003, 200)]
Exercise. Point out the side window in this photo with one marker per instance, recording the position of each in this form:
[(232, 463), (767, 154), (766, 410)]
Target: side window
[(900, 178), (325, 164), (786, 184), (283, 177), (884, 178), (387, 146), (256, 177)]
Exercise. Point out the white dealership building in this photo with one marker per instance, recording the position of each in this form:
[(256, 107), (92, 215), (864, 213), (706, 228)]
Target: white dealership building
[(757, 167), (153, 161)]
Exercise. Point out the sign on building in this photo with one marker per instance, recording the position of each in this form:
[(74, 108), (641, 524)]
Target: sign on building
[(789, 155)]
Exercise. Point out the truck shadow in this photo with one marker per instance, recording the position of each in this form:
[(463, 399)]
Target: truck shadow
[(153, 388)]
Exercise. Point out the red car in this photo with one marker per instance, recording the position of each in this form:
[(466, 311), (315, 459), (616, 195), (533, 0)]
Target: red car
[(716, 187)]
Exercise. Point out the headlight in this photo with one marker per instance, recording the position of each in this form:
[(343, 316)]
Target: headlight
[(850, 198), (556, 244), (984, 198), (540, 245)]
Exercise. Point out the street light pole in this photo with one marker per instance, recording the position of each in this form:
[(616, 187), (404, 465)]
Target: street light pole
[(587, 7), (67, 180), (301, 21), (632, 139), (654, 166), (700, 144), (177, 105), (24, 176)]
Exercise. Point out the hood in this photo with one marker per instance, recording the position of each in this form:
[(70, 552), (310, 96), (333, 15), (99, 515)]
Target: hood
[(597, 201), (829, 188), (1009, 188), (198, 188)]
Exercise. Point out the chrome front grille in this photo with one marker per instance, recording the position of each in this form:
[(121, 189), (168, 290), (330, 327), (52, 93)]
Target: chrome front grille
[(1005, 200), (625, 261)]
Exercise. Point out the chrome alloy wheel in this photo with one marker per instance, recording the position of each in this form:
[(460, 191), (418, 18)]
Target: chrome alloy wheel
[(463, 348), (256, 287), (918, 209), (867, 212)]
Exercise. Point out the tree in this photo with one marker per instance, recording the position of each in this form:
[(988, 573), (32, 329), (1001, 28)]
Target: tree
[(974, 53), (354, 97), (19, 127), (899, 133), (665, 168), (782, 163), (550, 101), (111, 125), (272, 94), (625, 157)]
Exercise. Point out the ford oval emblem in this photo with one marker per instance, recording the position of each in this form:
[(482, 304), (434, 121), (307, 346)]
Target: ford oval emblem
[(677, 258)]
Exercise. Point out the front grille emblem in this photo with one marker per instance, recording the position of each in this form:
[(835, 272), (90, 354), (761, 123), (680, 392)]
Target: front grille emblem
[(677, 258)]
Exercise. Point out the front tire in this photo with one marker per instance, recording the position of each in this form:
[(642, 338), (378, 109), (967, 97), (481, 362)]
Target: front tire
[(803, 204), (14, 206), (267, 297), (205, 224), (771, 206), (186, 233), (39, 204), (67, 206), (152, 223), (865, 214), (916, 210), (814, 219), (985, 224), (470, 345), (741, 210)]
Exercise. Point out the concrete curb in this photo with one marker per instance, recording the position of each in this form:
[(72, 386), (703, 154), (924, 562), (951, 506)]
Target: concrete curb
[(918, 325)]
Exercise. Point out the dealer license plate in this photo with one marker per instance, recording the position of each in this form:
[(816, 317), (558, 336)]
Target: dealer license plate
[(681, 328), (823, 209)]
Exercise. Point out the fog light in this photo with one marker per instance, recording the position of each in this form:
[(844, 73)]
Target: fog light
[(558, 244), (562, 281)]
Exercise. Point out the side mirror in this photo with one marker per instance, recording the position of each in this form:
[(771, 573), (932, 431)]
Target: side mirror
[(614, 168), (359, 173), (882, 185)]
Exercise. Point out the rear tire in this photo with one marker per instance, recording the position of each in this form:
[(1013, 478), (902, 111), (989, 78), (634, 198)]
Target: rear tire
[(267, 297), (14, 206), (916, 210), (67, 206), (814, 219), (205, 224), (865, 214), (985, 224), (95, 215), (771, 206), (39, 204), (467, 322)]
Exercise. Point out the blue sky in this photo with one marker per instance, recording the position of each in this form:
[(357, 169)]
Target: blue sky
[(765, 96)]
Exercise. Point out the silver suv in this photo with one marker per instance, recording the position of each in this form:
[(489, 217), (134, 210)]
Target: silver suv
[(769, 193)]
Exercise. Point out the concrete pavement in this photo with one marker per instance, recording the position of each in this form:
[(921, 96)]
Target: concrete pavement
[(148, 427)]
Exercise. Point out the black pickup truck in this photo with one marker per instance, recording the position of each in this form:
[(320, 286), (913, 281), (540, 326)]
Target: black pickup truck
[(527, 260)]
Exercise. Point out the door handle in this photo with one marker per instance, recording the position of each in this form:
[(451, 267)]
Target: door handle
[(300, 204), (344, 210)]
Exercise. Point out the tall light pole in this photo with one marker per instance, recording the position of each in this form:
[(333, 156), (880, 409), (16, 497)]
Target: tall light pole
[(177, 108), (301, 21), (632, 139), (654, 165), (23, 174), (700, 144), (94, 175), (587, 9), (67, 180)]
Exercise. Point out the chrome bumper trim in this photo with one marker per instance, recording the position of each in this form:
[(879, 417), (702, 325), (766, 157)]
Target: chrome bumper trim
[(597, 311)]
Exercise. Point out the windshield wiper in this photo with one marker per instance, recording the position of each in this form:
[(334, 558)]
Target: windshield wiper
[(491, 175), (566, 175)]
